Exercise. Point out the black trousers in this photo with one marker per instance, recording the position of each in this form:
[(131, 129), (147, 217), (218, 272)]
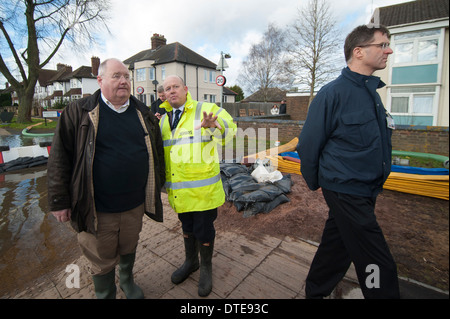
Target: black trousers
[(201, 224), (352, 234)]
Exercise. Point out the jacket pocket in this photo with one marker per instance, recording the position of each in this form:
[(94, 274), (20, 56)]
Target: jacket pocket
[(360, 128)]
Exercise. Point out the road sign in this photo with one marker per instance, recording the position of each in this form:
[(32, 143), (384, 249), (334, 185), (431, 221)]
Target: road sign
[(221, 80), (50, 114), (140, 90)]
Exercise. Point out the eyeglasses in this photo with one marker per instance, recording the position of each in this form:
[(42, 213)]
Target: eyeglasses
[(383, 45), (117, 77)]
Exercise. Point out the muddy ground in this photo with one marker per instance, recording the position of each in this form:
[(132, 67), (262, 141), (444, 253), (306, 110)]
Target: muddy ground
[(416, 228)]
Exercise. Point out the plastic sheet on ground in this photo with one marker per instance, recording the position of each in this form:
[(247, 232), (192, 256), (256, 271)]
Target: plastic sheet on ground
[(412, 180), (23, 162), (249, 196)]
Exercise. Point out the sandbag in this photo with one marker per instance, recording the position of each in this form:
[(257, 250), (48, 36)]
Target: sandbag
[(23, 162), (285, 184), (264, 207), (250, 196), (232, 169)]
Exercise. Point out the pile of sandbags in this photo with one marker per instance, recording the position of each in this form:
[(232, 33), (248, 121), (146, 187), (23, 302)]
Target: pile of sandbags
[(23, 162), (250, 196)]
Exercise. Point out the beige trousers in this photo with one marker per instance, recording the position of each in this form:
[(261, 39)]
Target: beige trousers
[(117, 234)]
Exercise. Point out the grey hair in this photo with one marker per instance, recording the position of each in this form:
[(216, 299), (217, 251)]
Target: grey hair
[(103, 66)]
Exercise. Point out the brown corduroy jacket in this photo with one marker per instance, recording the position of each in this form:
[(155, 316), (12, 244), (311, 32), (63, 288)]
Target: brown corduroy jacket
[(69, 167)]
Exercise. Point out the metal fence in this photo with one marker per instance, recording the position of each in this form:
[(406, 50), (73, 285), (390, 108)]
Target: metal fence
[(248, 109)]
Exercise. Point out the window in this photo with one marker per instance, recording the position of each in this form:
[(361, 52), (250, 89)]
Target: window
[(75, 83), (422, 104), (142, 98), (404, 52), (413, 105), (416, 47), (400, 104), (427, 50), (212, 77), (205, 76), (140, 75), (209, 98), (163, 73), (152, 74)]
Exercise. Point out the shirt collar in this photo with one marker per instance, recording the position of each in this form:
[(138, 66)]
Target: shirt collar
[(181, 108), (121, 109)]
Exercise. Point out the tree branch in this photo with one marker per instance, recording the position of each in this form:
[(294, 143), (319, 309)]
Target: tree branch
[(14, 53)]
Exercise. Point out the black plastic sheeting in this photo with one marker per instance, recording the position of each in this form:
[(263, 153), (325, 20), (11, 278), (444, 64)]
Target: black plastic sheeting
[(23, 162), (250, 196)]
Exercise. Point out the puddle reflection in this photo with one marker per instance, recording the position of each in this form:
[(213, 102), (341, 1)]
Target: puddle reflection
[(15, 140), (32, 242)]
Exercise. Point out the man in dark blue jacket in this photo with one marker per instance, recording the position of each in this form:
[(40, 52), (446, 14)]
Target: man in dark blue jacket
[(345, 149)]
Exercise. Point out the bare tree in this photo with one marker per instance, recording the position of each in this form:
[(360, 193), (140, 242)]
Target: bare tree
[(265, 66), (44, 24), (313, 43)]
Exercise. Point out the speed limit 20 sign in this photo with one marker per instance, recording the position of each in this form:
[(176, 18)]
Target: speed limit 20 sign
[(221, 80), (140, 90)]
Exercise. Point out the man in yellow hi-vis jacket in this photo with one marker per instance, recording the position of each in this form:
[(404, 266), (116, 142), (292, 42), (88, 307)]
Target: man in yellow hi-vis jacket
[(191, 132)]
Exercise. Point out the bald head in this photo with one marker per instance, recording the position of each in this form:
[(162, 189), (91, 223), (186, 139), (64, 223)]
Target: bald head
[(175, 91)]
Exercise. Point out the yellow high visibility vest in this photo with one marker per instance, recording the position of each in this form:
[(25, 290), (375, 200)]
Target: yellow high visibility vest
[(193, 180)]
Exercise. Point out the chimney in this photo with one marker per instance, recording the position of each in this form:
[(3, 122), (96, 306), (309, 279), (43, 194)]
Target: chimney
[(61, 66), (95, 63), (158, 40)]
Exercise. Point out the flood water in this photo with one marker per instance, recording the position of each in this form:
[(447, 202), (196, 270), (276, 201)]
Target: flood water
[(32, 242), (17, 140)]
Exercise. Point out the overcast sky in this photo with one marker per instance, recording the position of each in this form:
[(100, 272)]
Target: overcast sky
[(206, 26)]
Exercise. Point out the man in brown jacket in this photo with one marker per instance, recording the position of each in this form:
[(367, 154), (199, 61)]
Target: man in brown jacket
[(105, 170)]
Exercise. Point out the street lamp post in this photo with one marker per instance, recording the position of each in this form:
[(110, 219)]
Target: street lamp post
[(221, 66)]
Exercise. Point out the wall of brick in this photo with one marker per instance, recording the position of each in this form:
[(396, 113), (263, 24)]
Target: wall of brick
[(297, 107), (423, 139), (433, 140)]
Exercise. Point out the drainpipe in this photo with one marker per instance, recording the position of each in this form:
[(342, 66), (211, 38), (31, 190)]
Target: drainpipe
[(196, 79)]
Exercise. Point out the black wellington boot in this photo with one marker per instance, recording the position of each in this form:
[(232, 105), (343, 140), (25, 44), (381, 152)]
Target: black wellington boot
[(127, 284), (205, 282), (191, 263)]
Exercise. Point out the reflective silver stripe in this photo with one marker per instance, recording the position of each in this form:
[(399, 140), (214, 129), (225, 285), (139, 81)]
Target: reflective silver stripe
[(220, 110), (187, 140), (197, 122), (196, 138), (161, 121), (193, 184), (198, 111)]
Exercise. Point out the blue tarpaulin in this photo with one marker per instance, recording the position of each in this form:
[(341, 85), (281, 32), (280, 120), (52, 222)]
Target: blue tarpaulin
[(397, 168)]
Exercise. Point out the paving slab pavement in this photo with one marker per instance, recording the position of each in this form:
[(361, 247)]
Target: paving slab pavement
[(243, 268)]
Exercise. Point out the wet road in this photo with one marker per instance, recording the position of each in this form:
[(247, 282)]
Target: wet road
[(32, 242)]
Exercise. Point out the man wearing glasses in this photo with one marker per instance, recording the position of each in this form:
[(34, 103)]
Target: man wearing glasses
[(105, 170), (345, 149)]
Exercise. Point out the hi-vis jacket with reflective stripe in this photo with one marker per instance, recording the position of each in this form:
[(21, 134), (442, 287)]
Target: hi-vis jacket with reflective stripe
[(193, 180)]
